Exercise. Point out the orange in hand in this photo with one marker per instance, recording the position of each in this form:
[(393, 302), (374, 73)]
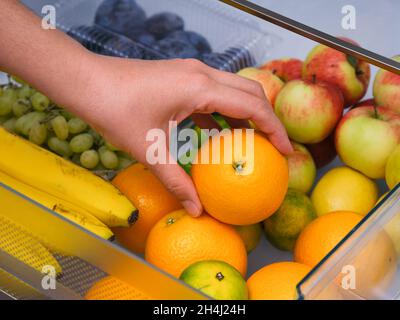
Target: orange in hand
[(246, 189), (150, 197)]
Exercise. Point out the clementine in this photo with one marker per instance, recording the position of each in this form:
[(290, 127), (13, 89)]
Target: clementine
[(111, 288), (179, 240), (150, 197), (374, 265), (277, 281)]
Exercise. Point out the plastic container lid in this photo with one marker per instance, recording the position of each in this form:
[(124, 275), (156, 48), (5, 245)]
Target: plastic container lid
[(213, 32)]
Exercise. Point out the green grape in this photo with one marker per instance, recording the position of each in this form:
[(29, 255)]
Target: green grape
[(5, 106), (60, 127), (111, 147), (11, 93), (66, 114), (9, 125), (7, 100), (25, 92), (122, 154), (38, 133), (97, 137), (25, 123), (124, 163), (21, 107), (39, 101), (108, 158), (81, 142), (76, 125), (89, 159), (61, 147), (5, 118)]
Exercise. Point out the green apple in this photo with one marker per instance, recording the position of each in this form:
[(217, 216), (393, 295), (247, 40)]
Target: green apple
[(309, 110), (302, 169), (387, 88), (270, 83), (366, 137), (349, 74), (392, 172)]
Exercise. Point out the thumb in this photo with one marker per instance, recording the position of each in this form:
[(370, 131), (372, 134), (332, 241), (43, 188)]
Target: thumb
[(177, 181)]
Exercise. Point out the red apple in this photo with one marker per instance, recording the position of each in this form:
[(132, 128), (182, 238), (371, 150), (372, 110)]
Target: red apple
[(365, 138), (323, 152), (387, 89), (286, 69), (366, 103), (270, 82), (309, 110), (302, 169), (346, 72)]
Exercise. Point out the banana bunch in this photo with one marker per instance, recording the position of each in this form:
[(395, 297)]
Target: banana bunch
[(68, 210), (17, 242), (57, 177)]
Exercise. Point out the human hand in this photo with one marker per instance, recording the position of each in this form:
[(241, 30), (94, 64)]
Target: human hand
[(126, 98)]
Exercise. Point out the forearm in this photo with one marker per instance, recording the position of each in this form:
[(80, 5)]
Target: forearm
[(47, 59)]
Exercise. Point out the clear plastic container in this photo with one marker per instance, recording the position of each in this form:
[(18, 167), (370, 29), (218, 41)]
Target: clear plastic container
[(81, 254), (365, 264), (235, 37)]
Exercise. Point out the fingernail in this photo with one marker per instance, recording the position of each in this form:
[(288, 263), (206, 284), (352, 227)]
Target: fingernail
[(191, 208)]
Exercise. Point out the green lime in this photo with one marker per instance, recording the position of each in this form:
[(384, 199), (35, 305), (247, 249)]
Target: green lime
[(285, 225), (250, 235), (217, 279)]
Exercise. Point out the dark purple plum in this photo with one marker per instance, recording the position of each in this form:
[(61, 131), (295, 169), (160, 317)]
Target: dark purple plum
[(195, 39), (177, 49), (121, 16), (144, 37), (162, 24)]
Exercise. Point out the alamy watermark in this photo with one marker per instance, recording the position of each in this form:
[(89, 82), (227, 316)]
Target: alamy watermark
[(349, 21), (237, 150), (49, 20), (49, 281), (348, 281)]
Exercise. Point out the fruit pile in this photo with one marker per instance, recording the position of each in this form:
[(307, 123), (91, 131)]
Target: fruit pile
[(122, 28), (317, 101), (281, 196), (30, 114)]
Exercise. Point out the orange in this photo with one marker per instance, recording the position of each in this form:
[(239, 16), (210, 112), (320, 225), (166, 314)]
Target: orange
[(245, 187), (277, 281), (320, 236), (150, 197), (110, 288), (179, 240), (374, 263), (250, 234)]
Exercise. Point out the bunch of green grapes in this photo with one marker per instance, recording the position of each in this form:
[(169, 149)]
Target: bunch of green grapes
[(30, 114)]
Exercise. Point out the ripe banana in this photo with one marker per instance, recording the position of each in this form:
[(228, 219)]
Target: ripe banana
[(70, 211), (17, 242), (54, 175)]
